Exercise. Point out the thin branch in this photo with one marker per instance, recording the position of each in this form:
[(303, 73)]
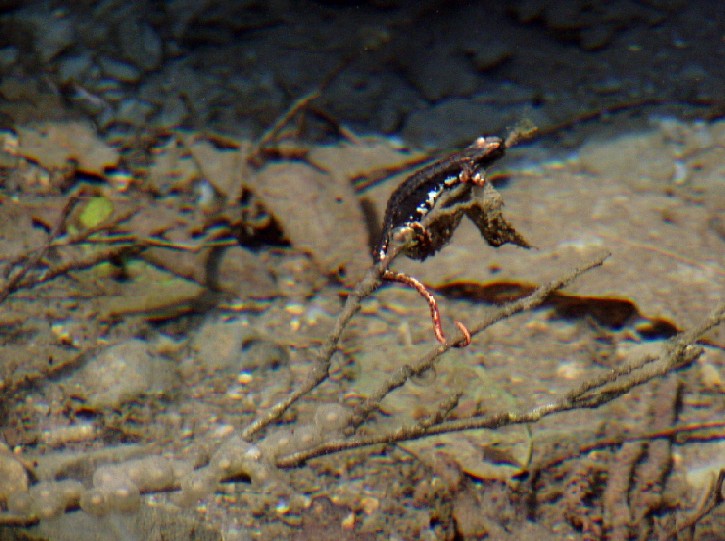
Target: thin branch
[(281, 122), (676, 354), (372, 280), (14, 281), (321, 366), (426, 362), (89, 261)]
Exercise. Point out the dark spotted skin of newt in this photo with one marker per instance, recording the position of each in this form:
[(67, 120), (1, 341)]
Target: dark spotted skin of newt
[(417, 196)]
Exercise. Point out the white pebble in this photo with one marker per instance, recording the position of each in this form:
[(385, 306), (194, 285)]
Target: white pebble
[(277, 443), (234, 457), (199, 483), (96, 502), (150, 474), (306, 437), (47, 500), (331, 417)]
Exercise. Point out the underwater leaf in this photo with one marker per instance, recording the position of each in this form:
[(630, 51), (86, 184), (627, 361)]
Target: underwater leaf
[(95, 212), (498, 454), (54, 144), (319, 213), (222, 168), (353, 161), (151, 291), (485, 454)]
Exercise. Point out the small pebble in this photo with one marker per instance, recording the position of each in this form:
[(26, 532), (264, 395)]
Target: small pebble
[(141, 45), (331, 417), (74, 68), (120, 71), (348, 523), (13, 477), (172, 114), (133, 112), (8, 56), (52, 34)]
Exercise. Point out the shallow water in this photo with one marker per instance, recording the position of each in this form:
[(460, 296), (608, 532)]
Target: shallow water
[(173, 265)]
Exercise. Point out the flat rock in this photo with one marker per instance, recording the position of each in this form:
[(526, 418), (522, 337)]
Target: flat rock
[(457, 121), (121, 373), (13, 477), (133, 112), (217, 345), (637, 158), (427, 75), (52, 34), (74, 67), (121, 71)]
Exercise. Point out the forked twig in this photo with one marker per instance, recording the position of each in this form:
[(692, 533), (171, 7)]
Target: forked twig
[(425, 363), (372, 280), (321, 366), (269, 135), (14, 281), (676, 354), (21, 280)]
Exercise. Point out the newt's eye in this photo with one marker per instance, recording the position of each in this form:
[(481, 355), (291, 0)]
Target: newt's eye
[(403, 236)]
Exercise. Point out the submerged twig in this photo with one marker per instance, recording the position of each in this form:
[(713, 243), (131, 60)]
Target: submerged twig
[(269, 135), (712, 498), (60, 269), (372, 280), (14, 281), (676, 354), (427, 362), (321, 366)]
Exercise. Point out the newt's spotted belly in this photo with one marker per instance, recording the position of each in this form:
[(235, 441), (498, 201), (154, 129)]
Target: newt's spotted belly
[(416, 197)]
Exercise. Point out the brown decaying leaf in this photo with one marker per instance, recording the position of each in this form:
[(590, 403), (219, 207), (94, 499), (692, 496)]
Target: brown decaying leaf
[(222, 168), (53, 145), (17, 234), (319, 215), (242, 272), (356, 161)]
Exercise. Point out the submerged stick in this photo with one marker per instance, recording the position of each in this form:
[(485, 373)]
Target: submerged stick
[(594, 393)]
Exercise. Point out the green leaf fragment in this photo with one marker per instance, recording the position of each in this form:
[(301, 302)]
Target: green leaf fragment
[(96, 211)]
